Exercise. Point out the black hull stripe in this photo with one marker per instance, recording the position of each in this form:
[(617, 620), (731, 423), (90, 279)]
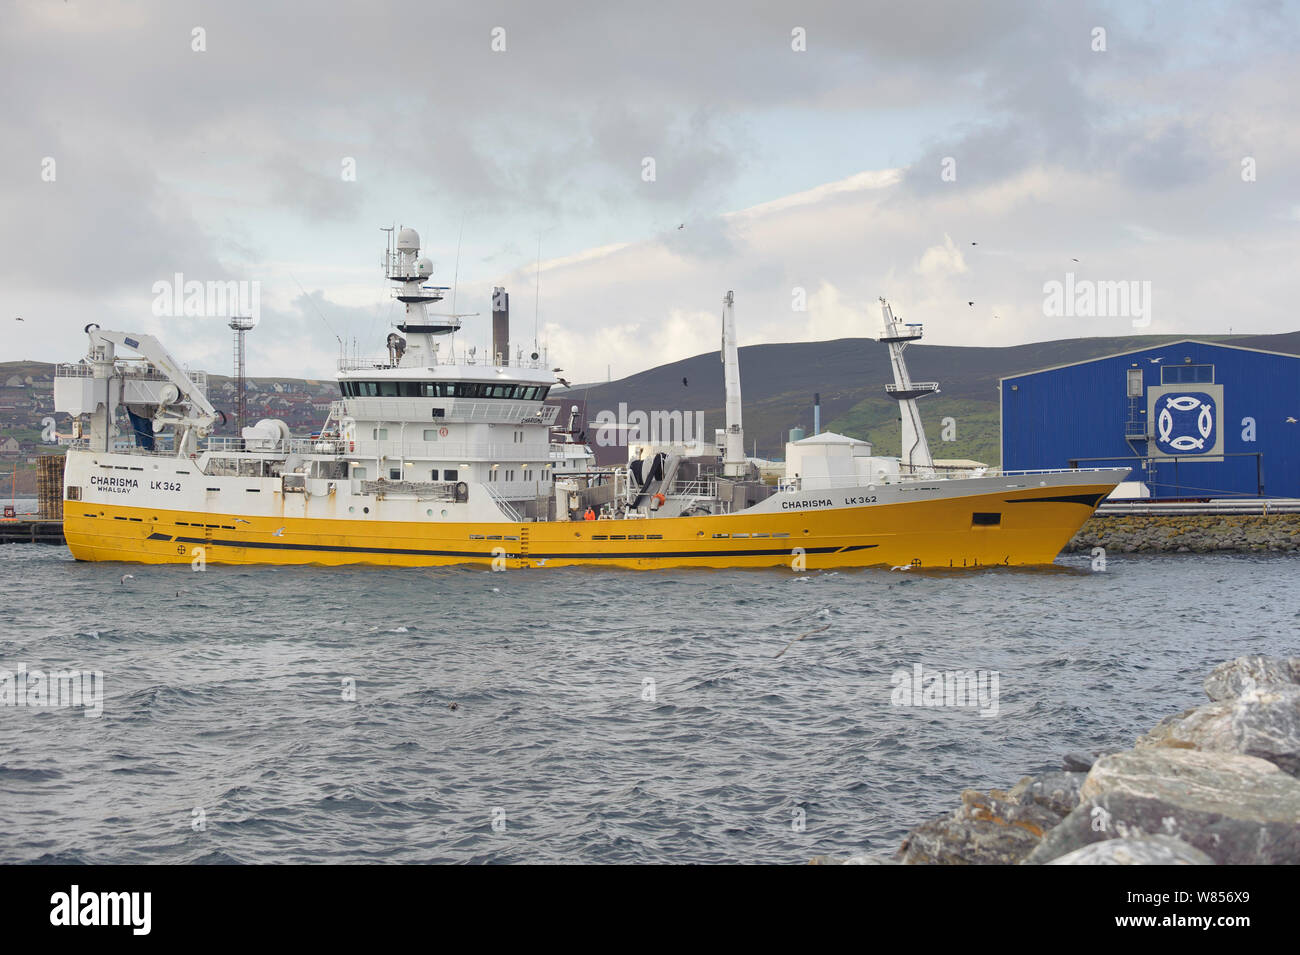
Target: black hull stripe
[(342, 548), (1091, 500)]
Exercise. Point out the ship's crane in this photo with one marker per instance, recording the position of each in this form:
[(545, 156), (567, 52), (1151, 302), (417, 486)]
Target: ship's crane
[(177, 402)]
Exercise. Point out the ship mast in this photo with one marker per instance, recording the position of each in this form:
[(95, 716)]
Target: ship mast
[(733, 462), (915, 457), (408, 271)]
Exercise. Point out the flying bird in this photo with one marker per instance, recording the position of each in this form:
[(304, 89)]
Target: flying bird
[(563, 381), (971, 304), (1074, 260), (240, 520), (682, 226), (974, 243), (126, 577), (1156, 361), (18, 319), (277, 533), (1290, 420)]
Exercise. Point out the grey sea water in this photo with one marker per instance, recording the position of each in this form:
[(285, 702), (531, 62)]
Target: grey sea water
[(225, 735)]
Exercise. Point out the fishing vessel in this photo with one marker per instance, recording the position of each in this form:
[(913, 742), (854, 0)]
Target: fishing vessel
[(435, 454)]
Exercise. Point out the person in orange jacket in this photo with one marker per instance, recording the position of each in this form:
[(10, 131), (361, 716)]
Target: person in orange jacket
[(589, 515)]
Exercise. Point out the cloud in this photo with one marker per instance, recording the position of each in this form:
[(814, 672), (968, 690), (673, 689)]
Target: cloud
[(816, 170)]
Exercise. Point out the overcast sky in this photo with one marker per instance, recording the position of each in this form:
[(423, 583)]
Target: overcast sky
[(1164, 150)]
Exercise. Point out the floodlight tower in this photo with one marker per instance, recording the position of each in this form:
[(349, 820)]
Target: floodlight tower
[(240, 325)]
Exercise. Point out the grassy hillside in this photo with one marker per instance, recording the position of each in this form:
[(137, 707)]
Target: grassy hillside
[(974, 432)]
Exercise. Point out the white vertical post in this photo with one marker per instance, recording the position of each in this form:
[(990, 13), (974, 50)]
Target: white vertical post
[(733, 462)]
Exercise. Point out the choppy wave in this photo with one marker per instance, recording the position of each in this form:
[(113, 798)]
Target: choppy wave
[(450, 715)]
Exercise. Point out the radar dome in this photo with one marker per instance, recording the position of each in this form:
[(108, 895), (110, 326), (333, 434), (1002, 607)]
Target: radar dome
[(408, 240), (423, 267)]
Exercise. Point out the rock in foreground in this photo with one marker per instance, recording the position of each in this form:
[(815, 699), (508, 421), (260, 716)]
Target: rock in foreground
[(1139, 850), (1216, 784)]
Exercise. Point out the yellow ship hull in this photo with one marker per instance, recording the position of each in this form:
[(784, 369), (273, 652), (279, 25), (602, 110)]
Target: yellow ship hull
[(1033, 525)]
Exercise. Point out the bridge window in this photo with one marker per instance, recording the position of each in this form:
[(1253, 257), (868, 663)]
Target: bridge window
[(441, 389)]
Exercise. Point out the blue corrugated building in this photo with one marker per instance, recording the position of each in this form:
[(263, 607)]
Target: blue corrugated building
[(1194, 419)]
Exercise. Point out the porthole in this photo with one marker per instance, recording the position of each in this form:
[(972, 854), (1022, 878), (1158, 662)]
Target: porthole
[(366, 510)]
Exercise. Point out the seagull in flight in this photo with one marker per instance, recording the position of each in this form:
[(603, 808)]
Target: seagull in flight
[(126, 577), (240, 520), (563, 381), (277, 533), (1156, 361), (1290, 419)]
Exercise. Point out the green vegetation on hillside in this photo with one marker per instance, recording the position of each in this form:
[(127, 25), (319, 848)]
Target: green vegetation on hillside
[(975, 430)]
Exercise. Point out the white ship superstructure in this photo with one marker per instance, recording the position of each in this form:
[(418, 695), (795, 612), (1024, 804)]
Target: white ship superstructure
[(436, 411)]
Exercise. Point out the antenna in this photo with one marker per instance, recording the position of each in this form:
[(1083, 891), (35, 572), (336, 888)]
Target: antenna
[(388, 245), (455, 280), (537, 293), (317, 308)]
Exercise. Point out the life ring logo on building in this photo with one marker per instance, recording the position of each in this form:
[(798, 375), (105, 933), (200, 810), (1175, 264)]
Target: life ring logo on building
[(1185, 423)]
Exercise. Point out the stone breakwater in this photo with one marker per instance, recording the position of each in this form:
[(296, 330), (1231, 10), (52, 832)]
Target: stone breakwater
[(1214, 785), (1189, 534)]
